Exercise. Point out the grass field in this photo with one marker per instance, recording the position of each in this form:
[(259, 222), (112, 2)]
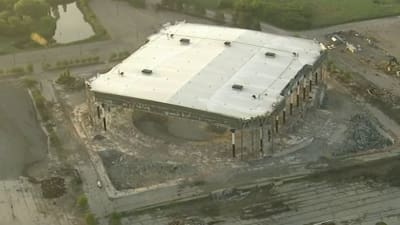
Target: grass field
[(6, 45), (327, 12)]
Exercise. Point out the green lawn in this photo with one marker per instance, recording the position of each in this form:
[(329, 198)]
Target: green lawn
[(324, 12), (6, 45), (328, 12)]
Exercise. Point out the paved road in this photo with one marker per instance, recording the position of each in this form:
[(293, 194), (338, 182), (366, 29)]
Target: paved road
[(22, 141)]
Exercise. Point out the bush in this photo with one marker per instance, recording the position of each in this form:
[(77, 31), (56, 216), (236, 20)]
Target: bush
[(82, 202), (90, 219), (30, 83), (29, 68), (69, 82), (41, 104), (115, 219)]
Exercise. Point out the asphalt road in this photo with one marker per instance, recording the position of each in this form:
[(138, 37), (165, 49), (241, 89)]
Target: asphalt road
[(22, 141)]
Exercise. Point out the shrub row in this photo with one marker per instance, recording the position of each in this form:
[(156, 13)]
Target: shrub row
[(16, 71), (68, 63), (118, 56)]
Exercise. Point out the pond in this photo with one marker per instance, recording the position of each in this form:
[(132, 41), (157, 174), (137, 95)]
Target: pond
[(71, 25)]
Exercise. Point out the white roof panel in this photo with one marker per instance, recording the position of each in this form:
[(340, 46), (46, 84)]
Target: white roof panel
[(200, 75)]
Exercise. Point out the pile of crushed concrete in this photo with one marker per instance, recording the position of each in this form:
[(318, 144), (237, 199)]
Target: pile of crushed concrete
[(53, 187), (362, 134), (127, 171)]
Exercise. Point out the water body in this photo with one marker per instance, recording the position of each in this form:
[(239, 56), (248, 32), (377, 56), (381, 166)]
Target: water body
[(22, 141), (71, 25)]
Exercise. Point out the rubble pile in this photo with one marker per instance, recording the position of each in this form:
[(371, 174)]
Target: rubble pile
[(53, 187), (363, 135), (126, 171)]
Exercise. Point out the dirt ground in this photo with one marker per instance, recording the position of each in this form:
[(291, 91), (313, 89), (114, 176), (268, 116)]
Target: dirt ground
[(149, 153)]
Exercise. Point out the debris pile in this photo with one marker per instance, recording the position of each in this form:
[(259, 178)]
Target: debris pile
[(127, 171), (362, 134), (53, 187)]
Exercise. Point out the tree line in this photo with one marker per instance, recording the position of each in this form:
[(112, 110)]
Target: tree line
[(249, 13), (20, 18)]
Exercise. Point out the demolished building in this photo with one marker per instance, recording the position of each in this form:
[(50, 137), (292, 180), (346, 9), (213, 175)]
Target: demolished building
[(236, 78)]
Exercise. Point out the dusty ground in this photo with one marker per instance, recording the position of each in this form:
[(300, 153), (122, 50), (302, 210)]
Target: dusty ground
[(146, 152), (342, 126), (139, 157)]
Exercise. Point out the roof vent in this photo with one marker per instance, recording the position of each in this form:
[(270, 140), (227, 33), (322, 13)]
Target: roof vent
[(227, 43), (147, 71), (295, 54), (270, 54), (237, 87), (185, 41)]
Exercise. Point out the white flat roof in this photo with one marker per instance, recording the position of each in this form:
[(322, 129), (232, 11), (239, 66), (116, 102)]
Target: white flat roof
[(200, 75)]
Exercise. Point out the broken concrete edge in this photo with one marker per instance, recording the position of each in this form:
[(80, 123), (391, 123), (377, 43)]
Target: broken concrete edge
[(112, 192), (372, 154), (39, 118), (383, 128), (260, 183)]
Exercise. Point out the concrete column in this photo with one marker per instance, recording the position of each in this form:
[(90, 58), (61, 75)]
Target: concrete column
[(291, 104), (310, 86), (277, 124), (252, 139), (284, 116), (298, 97), (233, 143), (241, 142), (322, 72), (261, 139), (98, 112), (104, 123), (269, 135)]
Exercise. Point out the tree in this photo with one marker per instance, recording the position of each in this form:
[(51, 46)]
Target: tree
[(46, 26), (33, 8), (6, 4), (225, 4)]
